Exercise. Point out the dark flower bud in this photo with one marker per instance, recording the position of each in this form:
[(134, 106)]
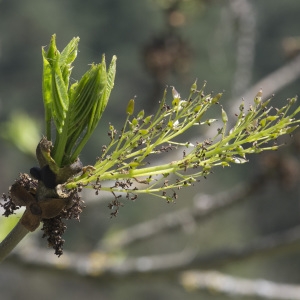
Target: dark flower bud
[(48, 177), (36, 173)]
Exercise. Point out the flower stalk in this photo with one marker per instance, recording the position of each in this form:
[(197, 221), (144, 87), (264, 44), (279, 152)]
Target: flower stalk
[(124, 160)]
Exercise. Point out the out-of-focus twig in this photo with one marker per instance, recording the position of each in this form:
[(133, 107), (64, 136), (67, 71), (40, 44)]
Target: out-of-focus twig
[(272, 83), (101, 264), (233, 286), (243, 10), (204, 206)]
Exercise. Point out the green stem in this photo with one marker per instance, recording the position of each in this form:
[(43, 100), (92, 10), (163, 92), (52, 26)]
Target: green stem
[(80, 146), (61, 142), (12, 240)]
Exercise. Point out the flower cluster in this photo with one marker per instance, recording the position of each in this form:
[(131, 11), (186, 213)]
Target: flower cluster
[(124, 166)]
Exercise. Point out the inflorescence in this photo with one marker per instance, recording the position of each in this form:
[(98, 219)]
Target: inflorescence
[(124, 166)]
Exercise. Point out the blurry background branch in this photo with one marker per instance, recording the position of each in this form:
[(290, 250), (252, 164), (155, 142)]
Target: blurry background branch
[(245, 15), (219, 283), (204, 206), (273, 82), (101, 264)]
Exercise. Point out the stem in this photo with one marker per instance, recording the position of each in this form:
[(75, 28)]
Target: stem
[(12, 240)]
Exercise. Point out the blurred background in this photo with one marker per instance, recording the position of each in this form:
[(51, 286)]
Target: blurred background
[(241, 222)]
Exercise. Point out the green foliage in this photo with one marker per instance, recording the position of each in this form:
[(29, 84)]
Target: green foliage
[(124, 160), (74, 109), (13, 131)]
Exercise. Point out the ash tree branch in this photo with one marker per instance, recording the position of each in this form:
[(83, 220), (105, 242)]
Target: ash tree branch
[(243, 10), (272, 83), (238, 287), (204, 206), (101, 264)]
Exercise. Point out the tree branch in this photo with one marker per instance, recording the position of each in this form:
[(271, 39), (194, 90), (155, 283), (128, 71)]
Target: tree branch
[(245, 49), (12, 240), (272, 83), (204, 206), (101, 264), (232, 286)]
